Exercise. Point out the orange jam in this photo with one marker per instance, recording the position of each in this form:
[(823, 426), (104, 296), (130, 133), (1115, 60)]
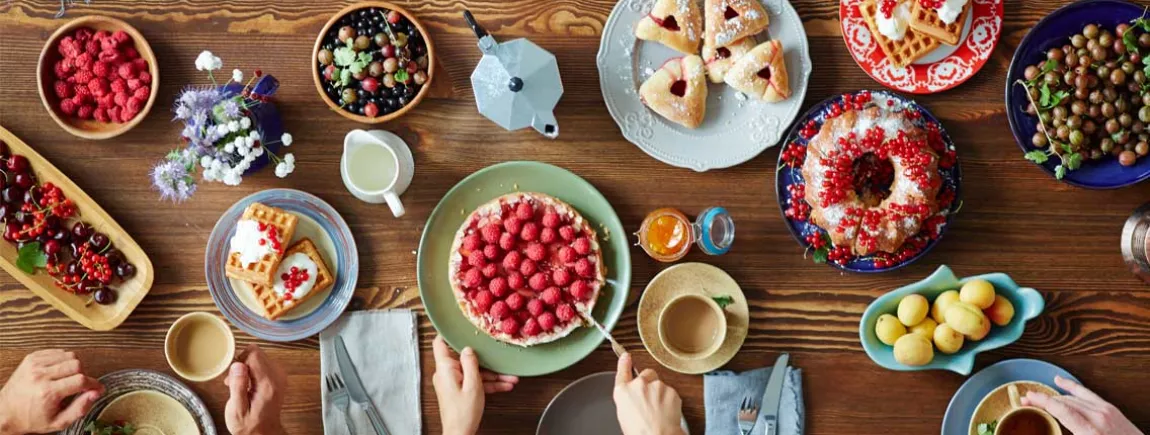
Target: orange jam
[(665, 234)]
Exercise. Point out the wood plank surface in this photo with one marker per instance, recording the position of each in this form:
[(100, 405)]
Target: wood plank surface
[(1015, 219)]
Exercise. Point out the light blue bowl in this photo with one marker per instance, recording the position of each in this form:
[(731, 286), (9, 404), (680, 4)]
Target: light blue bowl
[(1028, 304)]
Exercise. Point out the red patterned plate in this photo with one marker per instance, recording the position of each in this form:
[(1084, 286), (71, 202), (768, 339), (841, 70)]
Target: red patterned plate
[(942, 69)]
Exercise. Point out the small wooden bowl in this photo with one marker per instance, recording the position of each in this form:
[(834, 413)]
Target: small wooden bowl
[(46, 77), (393, 115)]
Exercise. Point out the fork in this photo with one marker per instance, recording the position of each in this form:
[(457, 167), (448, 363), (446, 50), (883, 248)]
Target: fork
[(337, 395), (748, 412)]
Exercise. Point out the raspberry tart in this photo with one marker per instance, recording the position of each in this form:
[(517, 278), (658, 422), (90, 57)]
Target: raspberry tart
[(523, 266)]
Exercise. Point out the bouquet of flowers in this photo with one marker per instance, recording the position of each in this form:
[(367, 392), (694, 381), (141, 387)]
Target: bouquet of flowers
[(221, 135)]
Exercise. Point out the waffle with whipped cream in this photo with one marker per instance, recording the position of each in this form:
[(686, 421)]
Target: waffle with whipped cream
[(262, 270), (276, 305), (901, 52)]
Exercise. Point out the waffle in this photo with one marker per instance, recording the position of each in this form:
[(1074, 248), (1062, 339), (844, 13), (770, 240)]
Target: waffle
[(926, 21), (262, 272), (274, 307), (900, 53)]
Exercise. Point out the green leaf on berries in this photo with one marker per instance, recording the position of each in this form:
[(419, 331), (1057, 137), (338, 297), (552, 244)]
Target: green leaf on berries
[(820, 255), (723, 301), (1037, 156), (344, 56), (345, 77), (401, 76), (1049, 66), (364, 57), (1073, 161), (1130, 41), (1065, 147), (1117, 135), (1059, 171), (30, 257), (1044, 96)]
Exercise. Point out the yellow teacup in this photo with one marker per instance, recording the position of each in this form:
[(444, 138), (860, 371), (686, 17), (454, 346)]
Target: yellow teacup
[(199, 347), (692, 326)]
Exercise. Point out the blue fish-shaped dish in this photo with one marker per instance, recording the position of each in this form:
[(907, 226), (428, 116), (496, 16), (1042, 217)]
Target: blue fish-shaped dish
[(1028, 304)]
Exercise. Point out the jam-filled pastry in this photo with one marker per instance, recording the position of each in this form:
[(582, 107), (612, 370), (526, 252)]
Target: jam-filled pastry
[(719, 60), (674, 23), (761, 73), (731, 20), (678, 91)]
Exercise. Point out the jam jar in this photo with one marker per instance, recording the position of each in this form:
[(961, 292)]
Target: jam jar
[(667, 234)]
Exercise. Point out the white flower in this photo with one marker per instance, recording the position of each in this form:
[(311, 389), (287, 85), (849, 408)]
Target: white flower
[(232, 178), (249, 142), (238, 75), (216, 165), (222, 129), (229, 148), (233, 126), (211, 174), (282, 169), (255, 135), (206, 161), (286, 139), (208, 62), (290, 159), (256, 152), (183, 112), (245, 123)]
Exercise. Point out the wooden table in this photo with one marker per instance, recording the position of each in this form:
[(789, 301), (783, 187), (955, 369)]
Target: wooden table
[(1016, 219)]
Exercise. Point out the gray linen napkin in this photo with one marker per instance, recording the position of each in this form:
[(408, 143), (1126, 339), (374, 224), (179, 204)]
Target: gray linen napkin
[(723, 391), (385, 350)]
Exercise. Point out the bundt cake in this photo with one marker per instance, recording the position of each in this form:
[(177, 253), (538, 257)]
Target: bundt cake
[(850, 219)]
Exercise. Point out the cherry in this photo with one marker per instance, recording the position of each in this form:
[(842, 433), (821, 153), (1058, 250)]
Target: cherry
[(730, 13), (114, 257), (104, 296), (81, 231), (51, 247), (4, 151), (99, 241), (11, 231), (73, 268), (62, 236), (51, 222), (765, 73), (31, 197), (24, 180), (24, 218), (12, 195), (679, 88), (17, 164)]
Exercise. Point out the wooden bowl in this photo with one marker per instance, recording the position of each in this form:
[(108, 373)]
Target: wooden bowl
[(129, 293), (45, 77), (393, 115)]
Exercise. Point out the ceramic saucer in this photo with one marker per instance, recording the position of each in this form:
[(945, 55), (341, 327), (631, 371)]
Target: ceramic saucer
[(317, 221), (149, 400), (969, 397), (699, 278), (997, 403)]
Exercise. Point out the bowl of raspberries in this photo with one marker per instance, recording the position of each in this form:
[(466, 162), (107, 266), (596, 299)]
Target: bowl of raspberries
[(97, 77)]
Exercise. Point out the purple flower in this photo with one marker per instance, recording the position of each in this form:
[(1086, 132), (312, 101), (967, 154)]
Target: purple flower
[(230, 108), (172, 179)]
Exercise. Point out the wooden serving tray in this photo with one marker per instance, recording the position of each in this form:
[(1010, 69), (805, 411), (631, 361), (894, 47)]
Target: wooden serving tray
[(129, 293)]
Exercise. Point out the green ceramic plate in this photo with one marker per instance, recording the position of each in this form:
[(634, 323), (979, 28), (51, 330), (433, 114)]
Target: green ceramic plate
[(435, 246)]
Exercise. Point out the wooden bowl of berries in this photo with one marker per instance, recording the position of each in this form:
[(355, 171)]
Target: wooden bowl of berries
[(97, 77), (373, 62)]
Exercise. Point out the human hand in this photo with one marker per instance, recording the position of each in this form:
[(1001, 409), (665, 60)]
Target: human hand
[(257, 388), (644, 404), (33, 399), (460, 387), (1083, 412)]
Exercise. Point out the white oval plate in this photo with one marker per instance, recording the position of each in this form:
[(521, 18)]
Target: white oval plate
[(735, 129)]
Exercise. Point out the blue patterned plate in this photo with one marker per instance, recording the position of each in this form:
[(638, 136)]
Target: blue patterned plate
[(318, 221), (117, 384), (786, 176), (1055, 30), (961, 409)]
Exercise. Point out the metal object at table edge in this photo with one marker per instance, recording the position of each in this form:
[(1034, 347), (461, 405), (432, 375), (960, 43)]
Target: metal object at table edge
[(773, 394), (355, 386), (615, 346), (1136, 242)]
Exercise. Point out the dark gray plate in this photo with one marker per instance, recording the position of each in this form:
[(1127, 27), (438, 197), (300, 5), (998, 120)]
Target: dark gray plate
[(584, 407), (117, 384)]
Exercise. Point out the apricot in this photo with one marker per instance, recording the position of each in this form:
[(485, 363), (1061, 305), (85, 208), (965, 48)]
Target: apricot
[(888, 329), (979, 293), (947, 340), (968, 320), (1001, 311), (940, 303), (925, 327), (913, 350), (912, 309)]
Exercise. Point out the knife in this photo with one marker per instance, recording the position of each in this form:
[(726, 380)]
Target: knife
[(355, 387), (615, 346), (774, 394)]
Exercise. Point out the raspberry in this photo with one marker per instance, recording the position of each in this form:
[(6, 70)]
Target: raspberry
[(130, 52), (490, 270), (498, 286), (548, 235), (580, 290), (108, 100), (119, 85), (101, 34), (116, 114), (530, 232), (68, 107), (82, 77), (98, 86), (551, 296), (85, 111), (144, 76), (567, 233), (484, 300), (538, 281), (135, 104), (62, 89), (551, 219), (515, 301), (513, 225), (68, 47), (101, 114), (511, 260), (83, 34), (499, 310), (524, 211), (583, 268), (565, 312), (62, 70), (121, 99), (134, 84), (472, 278), (536, 251), (83, 95), (490, 233), (476, 259), (92, 46), (535, 307), (121, 37), (509, 326), (507, 241), (491, 252), (126, 70), (471, 242), (582, 246), (567, 255), (101, 69), (561, 277), (527, 267), (515, 280), (531, 328), (107, 45), (84, 61), (110, 56), (143, 92), (546, 321)]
